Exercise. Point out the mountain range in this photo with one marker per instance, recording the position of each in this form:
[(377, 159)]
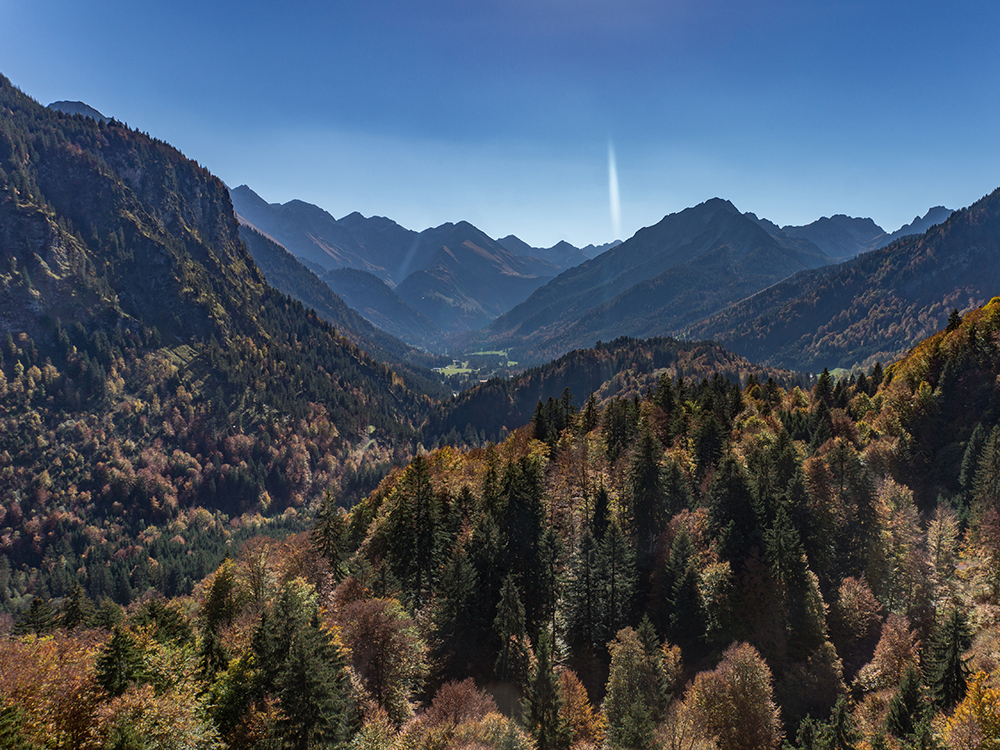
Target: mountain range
[(665, 277), (454, 275), (874, 307), (539, 303)]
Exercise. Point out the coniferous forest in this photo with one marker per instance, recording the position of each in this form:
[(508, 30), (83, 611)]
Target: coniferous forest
[(225, 525)]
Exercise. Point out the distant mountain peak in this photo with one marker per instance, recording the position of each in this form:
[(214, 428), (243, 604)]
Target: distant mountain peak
[(78, 108)]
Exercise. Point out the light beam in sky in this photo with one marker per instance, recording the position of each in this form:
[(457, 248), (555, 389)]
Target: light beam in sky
[(616, 205)]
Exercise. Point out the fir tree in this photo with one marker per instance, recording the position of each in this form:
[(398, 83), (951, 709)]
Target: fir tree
[(841, 733), (12, 734), (458, 638), (602, 512), (583, 594), (618, 581), (39, 618), (685, 618)]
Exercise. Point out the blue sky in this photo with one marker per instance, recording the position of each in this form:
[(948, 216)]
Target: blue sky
[(504, 113)]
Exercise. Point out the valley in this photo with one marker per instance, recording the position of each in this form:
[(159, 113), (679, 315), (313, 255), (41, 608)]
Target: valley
[(270, 478)]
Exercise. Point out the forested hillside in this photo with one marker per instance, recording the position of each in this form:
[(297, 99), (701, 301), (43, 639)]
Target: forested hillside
[(704, 566), (153, 388), (623, 368)]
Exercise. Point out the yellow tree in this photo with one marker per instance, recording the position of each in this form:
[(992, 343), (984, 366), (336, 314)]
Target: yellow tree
[(734, 703)]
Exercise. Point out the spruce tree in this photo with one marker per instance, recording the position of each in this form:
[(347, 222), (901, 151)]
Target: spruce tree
[(949, 671), (645, 499), (583, 594), (458, 625), (908, 706), (12, 734), (120, 662), (543, 703), (39, 618), (841, 733), (685, 616), (732, 515), (508, 627), (312, 687), (602, 512), (329, 535), (618, 581)]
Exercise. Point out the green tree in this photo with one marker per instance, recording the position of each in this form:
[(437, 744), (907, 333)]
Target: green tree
[(120, 663), (632, 693), (948, 670), (583, 594), (458, 643), (40, 617), (732, 514), (908, 706), (618, 581), (841, 733), (685, 625), (77, 609), (512, 658), (415, 533), (312, 687), (543, 702), (329, 535)]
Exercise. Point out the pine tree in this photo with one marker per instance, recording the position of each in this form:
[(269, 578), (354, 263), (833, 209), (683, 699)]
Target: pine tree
[(543, 703)]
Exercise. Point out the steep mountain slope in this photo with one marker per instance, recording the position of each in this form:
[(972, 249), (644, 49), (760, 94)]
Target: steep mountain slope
[(148, 369), (661, 279), (382, 307), (873, 307), (452, 274), (304, 230), (470, 280), (289, 276)]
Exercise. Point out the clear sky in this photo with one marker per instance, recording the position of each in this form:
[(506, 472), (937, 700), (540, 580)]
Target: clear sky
[(509, 113)]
